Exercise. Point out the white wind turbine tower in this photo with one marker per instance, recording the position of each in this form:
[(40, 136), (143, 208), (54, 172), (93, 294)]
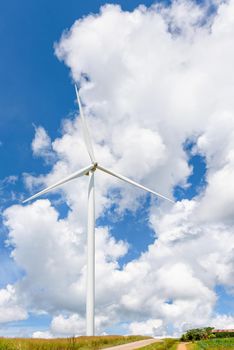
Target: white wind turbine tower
[(90, 170)]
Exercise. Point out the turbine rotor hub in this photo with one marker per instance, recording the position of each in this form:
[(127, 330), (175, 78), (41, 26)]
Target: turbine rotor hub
[(94, 167)]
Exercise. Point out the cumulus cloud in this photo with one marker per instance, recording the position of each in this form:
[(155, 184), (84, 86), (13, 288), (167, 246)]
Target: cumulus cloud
[(166, 78), (223, 322), (148, 327), (41, 144), (42, 335), (10, 308), (68, 325), (51, 251)]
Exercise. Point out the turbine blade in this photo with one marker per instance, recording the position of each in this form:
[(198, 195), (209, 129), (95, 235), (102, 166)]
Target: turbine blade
[(121, 177), (85, 129), (63, 181)]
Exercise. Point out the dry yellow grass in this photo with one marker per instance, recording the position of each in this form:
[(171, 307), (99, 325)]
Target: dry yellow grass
[(74, 343)]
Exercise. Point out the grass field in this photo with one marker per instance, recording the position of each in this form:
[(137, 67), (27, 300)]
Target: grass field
[(166, 344), (213, 344), (79, 343)]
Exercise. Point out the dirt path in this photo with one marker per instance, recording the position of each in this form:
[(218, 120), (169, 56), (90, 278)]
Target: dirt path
[(135, 345), (182, 346)]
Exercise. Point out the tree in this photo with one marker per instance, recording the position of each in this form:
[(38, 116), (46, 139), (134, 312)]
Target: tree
[(197, 334)]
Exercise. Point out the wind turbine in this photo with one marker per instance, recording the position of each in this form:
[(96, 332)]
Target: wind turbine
[(90, 170)]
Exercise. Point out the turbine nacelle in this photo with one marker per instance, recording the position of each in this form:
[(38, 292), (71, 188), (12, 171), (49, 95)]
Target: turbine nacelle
[(93, 169), (95, 165)]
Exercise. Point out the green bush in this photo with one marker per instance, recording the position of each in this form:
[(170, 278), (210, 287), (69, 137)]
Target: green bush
[(197, 334), (224, 334)]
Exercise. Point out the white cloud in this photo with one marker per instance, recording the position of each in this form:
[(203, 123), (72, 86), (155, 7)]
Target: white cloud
[(148, 327), (69, 325), (6, 191), (223, 322), (163, 80), (53, 256), (66, 326), (10, 309), (42, 334), (41, 144)]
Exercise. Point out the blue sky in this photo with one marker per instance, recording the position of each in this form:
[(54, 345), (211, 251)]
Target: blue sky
[(36, 89), (28, 33)]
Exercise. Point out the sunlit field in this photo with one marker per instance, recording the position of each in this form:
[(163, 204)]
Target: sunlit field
[(213, 344), (165, 344), (81, 343)]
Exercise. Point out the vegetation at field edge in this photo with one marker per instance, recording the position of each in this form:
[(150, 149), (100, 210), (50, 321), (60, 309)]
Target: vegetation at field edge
[(205, 333), (74, 343), (213, 344), (165, 344), (198, 334)]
